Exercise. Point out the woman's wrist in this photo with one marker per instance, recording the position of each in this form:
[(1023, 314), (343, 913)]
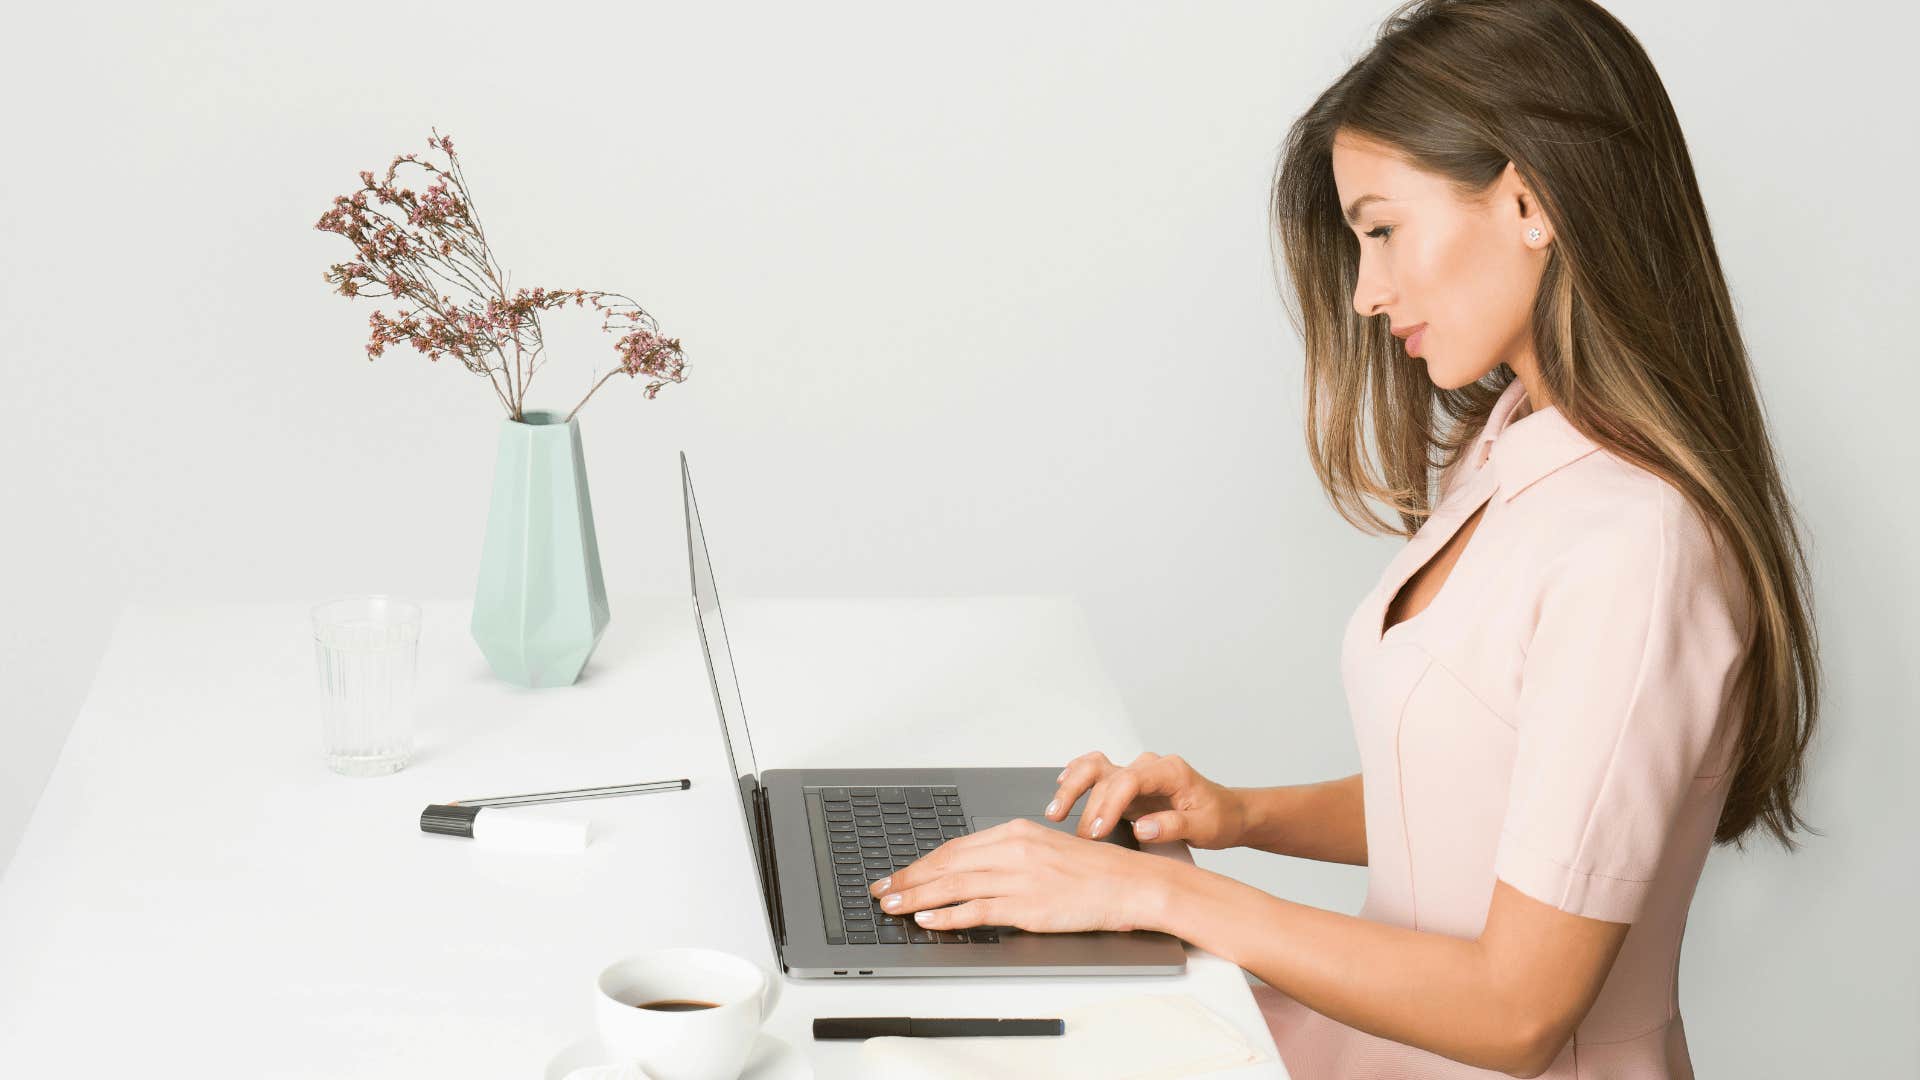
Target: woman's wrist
[(1162, 890), (1264, 814)]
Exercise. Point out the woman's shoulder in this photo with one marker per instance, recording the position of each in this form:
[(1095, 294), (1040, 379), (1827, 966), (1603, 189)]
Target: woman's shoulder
[(1604, 501), (1604, 519)]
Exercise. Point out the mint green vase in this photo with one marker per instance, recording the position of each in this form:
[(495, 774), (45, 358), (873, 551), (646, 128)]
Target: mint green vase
[(541, 604)]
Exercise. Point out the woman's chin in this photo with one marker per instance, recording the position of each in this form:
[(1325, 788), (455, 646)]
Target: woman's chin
[(1448, 377), (1441, 375)]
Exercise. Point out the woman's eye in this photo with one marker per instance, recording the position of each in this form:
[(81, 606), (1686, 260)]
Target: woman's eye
[(1381, 231)]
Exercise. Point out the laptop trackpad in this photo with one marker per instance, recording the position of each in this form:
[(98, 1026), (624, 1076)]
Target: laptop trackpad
[(1121, 833)]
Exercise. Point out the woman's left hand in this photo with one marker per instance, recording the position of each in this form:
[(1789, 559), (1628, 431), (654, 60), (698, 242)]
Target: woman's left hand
[(1021, 873)]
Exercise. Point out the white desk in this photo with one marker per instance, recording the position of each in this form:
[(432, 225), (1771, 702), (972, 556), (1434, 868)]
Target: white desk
[(197, 894)]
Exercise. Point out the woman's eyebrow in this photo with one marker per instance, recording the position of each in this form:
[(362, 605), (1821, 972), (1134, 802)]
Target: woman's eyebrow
[(1353, 209)]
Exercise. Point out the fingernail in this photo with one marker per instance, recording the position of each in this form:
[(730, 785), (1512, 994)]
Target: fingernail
[(1052, 806), (892, 901), (881, 885), (921, 916), (1095, 831), (1146, 829)]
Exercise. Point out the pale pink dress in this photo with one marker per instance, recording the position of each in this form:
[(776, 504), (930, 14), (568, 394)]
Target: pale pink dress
[(1558, 717)]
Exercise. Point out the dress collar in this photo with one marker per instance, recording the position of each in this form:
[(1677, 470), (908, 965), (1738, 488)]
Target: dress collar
[(1524, 450)]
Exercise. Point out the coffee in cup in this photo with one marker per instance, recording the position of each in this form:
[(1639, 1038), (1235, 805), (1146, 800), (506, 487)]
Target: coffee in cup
[(677, 1006), (684, 1013)]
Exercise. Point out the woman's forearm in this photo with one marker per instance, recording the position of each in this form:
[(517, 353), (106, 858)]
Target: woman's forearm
[(1325, 821), (1426, 990)]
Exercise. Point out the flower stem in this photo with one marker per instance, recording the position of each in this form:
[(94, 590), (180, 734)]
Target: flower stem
[(596, 386)]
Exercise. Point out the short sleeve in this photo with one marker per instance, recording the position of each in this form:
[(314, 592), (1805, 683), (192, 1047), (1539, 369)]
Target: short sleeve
[(1626, 679)]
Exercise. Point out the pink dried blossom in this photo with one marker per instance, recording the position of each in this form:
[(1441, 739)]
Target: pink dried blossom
[(433, 240)]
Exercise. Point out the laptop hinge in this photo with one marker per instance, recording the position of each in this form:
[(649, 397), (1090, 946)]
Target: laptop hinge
[(770, 872)]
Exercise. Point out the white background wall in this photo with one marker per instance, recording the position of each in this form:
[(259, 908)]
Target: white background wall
[(974, 301)]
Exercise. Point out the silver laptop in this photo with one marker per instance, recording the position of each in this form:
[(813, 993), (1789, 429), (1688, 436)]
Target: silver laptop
[(821, 836)]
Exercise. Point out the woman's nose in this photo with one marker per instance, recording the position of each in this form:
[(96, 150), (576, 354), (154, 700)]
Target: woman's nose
[(1371, 294)]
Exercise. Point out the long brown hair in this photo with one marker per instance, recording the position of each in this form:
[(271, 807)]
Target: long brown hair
[(1633, 327)]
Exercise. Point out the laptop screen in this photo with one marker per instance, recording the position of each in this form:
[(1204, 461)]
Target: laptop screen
[(726, 688)]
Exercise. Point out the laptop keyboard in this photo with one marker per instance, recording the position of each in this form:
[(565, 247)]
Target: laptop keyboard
[(865, 834)]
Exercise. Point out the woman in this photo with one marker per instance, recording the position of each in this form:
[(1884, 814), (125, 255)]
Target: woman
[(1594, 658)]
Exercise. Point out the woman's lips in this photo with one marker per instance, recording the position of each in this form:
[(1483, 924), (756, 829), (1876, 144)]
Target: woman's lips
[(1414, 340)]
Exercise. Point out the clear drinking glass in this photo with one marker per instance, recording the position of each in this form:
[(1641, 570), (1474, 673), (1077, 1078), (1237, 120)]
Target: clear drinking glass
[(368, 648)]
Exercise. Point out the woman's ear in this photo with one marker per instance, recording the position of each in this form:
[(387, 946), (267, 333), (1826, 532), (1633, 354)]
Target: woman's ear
[(1531, 221)]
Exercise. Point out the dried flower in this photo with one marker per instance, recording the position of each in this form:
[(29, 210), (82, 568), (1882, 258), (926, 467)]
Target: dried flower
[(433, 240)]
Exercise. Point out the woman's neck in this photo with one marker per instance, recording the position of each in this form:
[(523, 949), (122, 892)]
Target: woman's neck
[(1535, 397)]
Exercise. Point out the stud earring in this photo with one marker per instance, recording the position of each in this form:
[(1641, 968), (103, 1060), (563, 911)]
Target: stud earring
[(1533, 234)]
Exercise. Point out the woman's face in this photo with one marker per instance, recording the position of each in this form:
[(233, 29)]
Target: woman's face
[(1466, 270)]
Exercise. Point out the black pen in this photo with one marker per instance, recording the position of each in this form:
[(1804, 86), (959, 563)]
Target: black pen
[(870, 1027)]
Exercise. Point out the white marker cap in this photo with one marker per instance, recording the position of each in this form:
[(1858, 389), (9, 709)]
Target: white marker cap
[(509, 829)]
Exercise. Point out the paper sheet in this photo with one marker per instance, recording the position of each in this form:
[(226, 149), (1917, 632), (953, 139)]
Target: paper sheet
[(1142, 1037)]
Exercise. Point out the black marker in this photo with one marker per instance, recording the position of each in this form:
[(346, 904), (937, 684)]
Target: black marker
[(870, 1027)]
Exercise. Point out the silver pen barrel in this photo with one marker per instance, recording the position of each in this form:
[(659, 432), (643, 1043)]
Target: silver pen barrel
[(577, 794)]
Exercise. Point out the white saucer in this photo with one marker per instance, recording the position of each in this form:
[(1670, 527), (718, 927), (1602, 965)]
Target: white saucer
[(772, 1059)]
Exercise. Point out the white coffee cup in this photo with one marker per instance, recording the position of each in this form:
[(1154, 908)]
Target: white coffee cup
[(699, 1044)]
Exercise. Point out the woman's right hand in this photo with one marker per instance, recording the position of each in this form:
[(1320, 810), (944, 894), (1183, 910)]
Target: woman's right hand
[(1163, 797)]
